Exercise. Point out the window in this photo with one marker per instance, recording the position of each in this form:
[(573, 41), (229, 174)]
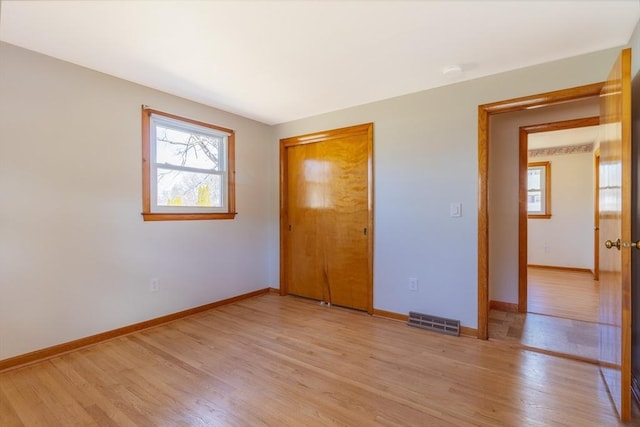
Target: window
[(610, 187), (539, 190), (188, 169)]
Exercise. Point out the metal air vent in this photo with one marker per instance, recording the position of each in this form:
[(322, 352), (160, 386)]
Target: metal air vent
[(434, 323)]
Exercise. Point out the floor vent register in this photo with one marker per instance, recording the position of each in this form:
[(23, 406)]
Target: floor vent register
[(434, 323)]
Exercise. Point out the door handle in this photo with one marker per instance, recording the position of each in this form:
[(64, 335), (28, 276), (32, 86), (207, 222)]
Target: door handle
[(609, 244), (617, 244)]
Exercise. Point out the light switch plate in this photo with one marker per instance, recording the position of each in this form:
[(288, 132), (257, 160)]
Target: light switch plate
[(455, 210)]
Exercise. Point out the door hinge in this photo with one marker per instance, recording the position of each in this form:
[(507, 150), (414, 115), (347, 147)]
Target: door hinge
[(365, 231)]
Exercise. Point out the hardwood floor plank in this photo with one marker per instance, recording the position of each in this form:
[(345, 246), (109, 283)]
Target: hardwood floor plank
[(60, 402), (568, 327), (561, 293), (287, 361), (75, 373), (96, 369), (8, 415), (21, 393)]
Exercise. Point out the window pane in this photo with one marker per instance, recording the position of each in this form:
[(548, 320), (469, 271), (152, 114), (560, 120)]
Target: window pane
[(534, 201), (184, 148), (533, 178), (178, 188), (610, 199)]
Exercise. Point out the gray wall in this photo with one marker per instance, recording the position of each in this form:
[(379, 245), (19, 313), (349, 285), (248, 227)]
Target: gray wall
[(75, 256), (565, 239), (425, 148)]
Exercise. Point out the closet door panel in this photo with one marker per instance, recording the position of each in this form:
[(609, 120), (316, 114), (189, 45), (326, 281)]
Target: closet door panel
[(326, 216), (344, 221), (305, 192)]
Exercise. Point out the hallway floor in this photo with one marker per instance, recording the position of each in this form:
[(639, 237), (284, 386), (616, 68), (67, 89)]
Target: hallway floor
[(562, 318)]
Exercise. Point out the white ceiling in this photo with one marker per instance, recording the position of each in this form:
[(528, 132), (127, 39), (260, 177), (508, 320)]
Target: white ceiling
[(564, 137), (276, 61)]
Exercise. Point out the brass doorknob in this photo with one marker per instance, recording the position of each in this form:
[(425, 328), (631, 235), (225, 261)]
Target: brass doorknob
[(609, 244)]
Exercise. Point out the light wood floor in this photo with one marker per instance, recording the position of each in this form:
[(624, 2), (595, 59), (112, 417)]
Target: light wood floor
[(560, 293), (284, 361), (562, 318), (554, 335)]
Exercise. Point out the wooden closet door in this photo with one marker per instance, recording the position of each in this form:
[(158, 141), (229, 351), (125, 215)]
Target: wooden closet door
[(326, 216), (344, 232), (305, 193)]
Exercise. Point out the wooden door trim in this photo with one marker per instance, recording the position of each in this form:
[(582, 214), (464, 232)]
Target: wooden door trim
[(484, 112), (626, 320), (596, 214), (522, 205), (366, 128), (327, 135)]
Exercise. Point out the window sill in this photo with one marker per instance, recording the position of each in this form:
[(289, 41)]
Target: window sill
[(541, 216), (149, 216)]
